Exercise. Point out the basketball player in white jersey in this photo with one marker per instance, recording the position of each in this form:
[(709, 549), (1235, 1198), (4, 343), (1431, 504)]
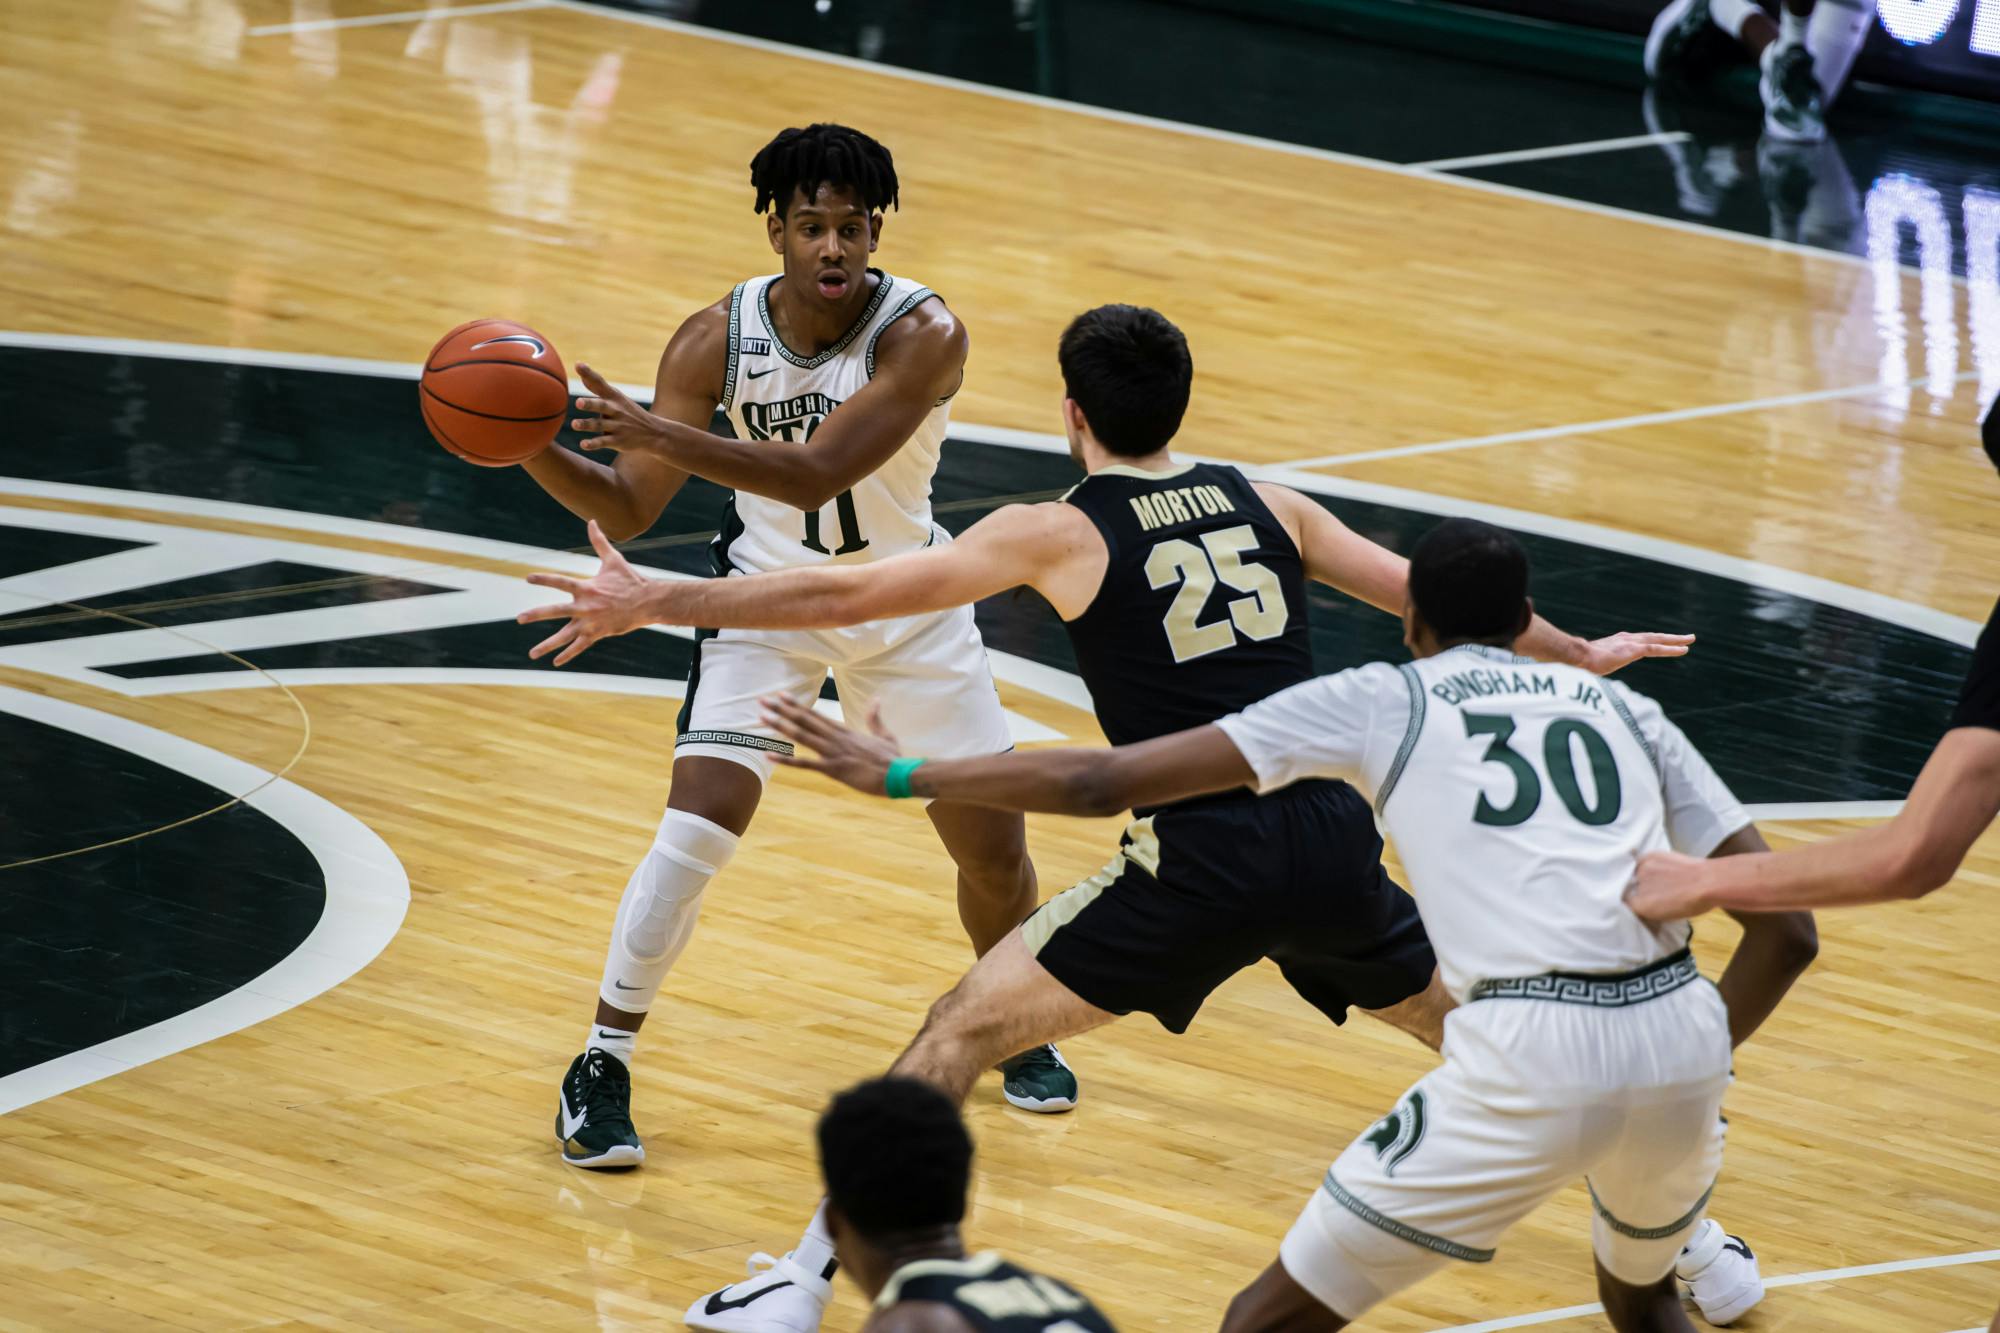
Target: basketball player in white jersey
[(1803, 54), (1519, 795), (836, 379)]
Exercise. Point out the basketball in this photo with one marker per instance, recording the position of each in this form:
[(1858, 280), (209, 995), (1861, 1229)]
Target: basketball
[(494, 392)]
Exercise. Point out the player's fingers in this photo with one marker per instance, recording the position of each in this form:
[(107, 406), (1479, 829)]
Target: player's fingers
[(554, 611), (553, 642), (602, 544), (1664, 650), (1682, 639), (600, 386), (560, 582), (570, 653)]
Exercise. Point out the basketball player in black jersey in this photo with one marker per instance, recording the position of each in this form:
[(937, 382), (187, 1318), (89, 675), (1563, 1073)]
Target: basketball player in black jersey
[(898, 1162), (1182, 587)]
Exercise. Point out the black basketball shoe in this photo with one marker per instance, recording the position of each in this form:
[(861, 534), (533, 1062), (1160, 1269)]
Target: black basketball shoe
[(594, 1114)]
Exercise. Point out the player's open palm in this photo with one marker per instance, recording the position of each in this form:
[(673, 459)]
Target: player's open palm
[(858, 758), (611, 603), (1606, 655), (611, 420)]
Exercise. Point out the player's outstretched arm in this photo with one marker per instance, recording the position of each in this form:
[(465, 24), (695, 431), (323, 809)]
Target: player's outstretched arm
[(1012, 546), (1955, 798), (1776, 949), (1062, 782), (628, 495), (1340, 557), (918, 362)]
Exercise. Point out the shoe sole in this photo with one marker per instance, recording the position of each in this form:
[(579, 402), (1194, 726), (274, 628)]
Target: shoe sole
[(1040, 1105), (618, 1155), (1656, 36), (1739, 1304)]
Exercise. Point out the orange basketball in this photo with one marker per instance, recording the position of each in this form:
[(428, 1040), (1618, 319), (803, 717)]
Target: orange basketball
[(494, 392)]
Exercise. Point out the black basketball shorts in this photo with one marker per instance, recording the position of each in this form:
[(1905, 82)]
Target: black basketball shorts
[(1202, 890)]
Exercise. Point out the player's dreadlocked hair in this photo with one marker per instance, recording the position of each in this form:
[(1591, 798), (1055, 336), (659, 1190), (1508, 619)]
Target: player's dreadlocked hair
[(896, 1157), (823, 155)]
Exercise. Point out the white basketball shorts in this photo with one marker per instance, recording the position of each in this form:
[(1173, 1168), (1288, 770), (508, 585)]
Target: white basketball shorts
[(1533, 1094), (929, 673)]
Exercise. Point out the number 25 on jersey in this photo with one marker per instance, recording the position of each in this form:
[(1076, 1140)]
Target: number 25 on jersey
[(1260, 615)]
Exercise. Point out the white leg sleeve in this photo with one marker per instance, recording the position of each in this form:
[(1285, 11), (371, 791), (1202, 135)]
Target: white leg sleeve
[(657, 914), (1834, 35)]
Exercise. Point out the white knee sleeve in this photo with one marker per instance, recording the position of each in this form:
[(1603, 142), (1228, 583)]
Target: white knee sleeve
[(662, 900)]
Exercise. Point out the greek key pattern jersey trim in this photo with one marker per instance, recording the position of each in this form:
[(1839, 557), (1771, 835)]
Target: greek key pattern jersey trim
[(1451, 1249), (735, 346), (909, 303), (1415, 685), (853, 330), (1674, 1228), (1632, 725), (1614, 992), (742, 738)]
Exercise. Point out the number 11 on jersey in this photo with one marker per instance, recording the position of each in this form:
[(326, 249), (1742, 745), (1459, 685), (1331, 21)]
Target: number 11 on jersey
[(851, 539)]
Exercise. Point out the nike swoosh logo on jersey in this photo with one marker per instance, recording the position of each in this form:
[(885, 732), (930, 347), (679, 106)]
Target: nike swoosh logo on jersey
[(759, 374), (716, 1305)]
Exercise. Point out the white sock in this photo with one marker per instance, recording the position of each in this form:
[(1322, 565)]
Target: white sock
[(612, 1042), (1834, 36), (1791, 28), (1731, 15), (814, 1252)]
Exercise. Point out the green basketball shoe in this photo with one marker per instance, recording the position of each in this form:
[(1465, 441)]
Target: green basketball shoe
[(1039, 1081)]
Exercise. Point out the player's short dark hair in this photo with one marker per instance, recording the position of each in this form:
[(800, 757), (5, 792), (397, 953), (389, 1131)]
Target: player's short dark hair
[(896, 1157), (1128, 368), (823, 154), (1469, 580)]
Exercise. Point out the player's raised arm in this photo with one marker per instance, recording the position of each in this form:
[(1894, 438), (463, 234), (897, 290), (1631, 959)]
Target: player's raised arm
[(919, 361), (1340, 557), (1015, 545), (628, 495)]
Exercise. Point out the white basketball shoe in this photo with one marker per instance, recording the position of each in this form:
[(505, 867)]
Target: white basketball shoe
[(777, 1297), (1720, 1273)]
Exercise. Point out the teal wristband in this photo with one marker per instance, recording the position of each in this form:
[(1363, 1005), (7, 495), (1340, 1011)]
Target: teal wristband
[(897, 784)]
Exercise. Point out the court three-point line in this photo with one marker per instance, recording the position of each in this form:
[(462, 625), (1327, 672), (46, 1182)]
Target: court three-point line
[(1552, 150), (401, 16), (1642, 419)]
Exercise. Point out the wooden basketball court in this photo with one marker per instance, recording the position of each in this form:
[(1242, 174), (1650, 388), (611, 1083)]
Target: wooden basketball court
[(370, 1147)]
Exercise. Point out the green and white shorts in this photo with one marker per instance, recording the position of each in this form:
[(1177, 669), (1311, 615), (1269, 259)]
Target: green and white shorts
[(1546, 1081)]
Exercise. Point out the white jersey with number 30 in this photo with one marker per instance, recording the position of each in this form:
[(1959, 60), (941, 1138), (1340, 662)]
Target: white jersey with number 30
[(771, 392), (1519, 795)]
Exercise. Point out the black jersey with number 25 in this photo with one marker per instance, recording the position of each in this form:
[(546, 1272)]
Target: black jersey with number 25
[(1202, 611), (995, 1296)]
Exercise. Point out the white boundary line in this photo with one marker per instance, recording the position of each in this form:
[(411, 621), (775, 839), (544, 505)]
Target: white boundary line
[(1768, 243), (405, 16), (1786, 1280), (1626, 423), (367, 895), (1019, 439), (1584, 148)]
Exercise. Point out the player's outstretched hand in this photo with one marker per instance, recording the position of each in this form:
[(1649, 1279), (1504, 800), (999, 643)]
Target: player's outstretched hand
[(1667, 887), (1606, 655), (608, 604), (611, 420), (860, 759)]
